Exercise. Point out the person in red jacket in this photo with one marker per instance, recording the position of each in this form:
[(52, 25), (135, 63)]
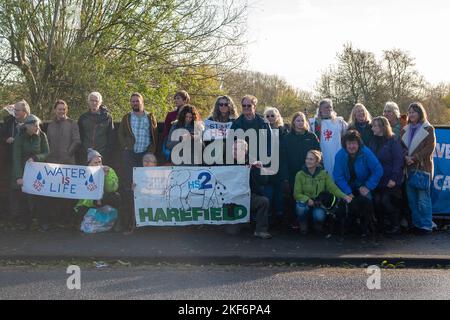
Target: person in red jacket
[(181, 99)]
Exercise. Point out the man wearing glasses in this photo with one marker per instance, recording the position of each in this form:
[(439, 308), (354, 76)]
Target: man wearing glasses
[(249, 119)]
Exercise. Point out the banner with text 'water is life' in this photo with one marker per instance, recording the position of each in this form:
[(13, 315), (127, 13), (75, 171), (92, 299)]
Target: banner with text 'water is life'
[(63, 181)]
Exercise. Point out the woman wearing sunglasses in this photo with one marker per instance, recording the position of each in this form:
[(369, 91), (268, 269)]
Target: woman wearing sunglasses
[(224, 110), (275, 183)]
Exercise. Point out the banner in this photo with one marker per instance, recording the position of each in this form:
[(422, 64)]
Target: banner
[(216, 130), (440, 189), (179, 196), (63, 181)]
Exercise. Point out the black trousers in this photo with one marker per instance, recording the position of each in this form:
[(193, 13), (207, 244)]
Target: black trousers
[(358, 216), (25, 206), (386, 202)]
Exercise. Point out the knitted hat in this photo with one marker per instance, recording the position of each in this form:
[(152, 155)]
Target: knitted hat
[(32, 119), (91, 154)]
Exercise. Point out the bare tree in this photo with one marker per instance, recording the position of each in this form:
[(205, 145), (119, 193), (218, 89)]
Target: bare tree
[(61, 46)]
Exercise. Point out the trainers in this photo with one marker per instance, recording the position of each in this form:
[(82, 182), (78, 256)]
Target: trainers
[(262, 235)]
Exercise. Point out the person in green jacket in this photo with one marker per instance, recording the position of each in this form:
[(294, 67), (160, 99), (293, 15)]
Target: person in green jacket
[(110, 195), (30, 145), (309, 183)]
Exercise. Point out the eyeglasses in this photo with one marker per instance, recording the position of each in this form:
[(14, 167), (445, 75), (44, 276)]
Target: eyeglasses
[(223, 104), (270, 116), (247, 105)]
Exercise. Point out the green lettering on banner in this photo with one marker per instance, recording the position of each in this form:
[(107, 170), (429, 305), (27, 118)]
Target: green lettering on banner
[(185, 215), (196, 213), (146, 213), (227, 215), (206, 214), (173, 213), (216, 214), (240, 212), (160, 215)]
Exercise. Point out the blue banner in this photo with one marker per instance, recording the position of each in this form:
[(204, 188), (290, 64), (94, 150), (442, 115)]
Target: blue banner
[(440, 190)]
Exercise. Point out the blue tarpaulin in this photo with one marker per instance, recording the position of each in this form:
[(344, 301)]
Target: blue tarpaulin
[(440, 189)]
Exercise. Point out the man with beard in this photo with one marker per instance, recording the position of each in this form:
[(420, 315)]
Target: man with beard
[(137, 135)]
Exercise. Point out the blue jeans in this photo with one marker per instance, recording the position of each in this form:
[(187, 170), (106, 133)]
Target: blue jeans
[(421, 209), (303, 212)]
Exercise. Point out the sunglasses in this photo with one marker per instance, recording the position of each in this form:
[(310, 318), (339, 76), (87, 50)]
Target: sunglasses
[(223, 104), (247, 105), (270, 116)]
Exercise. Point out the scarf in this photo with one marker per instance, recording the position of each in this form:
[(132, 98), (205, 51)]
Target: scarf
[(412, 132)]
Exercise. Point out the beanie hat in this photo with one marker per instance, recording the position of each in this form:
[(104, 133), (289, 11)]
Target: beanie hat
[(32, 119), (91, 154)]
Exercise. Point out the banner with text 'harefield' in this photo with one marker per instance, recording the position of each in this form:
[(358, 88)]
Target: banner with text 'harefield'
[(63, 181), (179, 196)]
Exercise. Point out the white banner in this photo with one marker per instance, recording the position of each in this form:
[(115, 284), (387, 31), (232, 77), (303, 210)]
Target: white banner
[(179, 196), (216, 130), (63, 181)]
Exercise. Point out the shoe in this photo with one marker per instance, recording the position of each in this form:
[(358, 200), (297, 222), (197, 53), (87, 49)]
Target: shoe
[(262, 235), (295, 225), (44, 227), (421, 232), (393, 231)]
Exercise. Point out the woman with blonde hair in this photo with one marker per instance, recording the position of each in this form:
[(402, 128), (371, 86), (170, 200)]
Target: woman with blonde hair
[(397, 121), (388, 194), (275, 182), (311, 182), (360, 120), (275, 120), (294, 147)]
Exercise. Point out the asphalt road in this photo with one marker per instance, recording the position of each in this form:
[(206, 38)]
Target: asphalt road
[(221, 282)]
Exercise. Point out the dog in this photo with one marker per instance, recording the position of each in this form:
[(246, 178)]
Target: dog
[(357, 216)]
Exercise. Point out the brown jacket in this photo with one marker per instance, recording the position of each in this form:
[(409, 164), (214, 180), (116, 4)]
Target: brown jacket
[(126, 136), (64, 140), (421, 148)]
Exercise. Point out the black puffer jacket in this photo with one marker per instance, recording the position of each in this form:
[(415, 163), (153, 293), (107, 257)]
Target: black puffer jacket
[(294, 148)]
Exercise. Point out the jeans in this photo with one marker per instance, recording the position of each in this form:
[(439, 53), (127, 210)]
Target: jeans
[(304, 212), (421, 209)]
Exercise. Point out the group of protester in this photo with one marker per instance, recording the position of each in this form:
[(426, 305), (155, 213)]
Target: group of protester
[(354, 176)]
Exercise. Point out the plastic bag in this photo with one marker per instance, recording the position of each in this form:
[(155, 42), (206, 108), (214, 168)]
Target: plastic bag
[(99, 219)]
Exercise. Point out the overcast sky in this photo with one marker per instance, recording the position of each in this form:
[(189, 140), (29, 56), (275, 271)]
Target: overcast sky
[(298, 39)]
